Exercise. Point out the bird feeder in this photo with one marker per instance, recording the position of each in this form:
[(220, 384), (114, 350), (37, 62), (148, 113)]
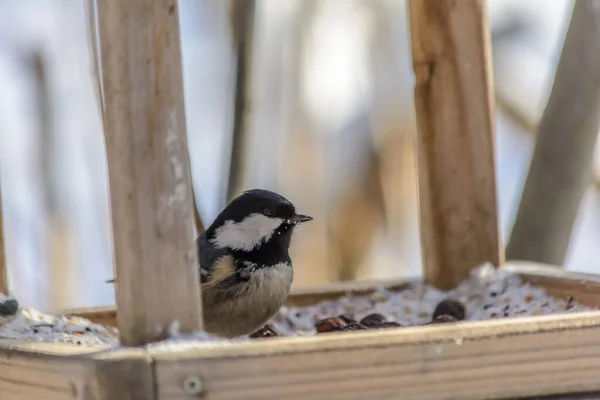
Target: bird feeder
[(155, 256)]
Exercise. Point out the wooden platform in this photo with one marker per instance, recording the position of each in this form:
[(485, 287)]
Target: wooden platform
[(505, 358)]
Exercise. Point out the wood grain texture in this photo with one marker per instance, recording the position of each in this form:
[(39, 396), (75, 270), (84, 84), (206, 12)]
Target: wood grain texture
[(122, 374), (529, 356), (33, 371), (455, 145), (34, 376), (148, 168), (561, 168), (3, 266)]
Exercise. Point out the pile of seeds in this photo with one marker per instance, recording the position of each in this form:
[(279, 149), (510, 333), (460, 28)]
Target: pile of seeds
[(488, 294), (34, 326)]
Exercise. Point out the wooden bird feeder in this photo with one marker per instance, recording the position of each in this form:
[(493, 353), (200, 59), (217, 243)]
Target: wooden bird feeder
[(155, 256)]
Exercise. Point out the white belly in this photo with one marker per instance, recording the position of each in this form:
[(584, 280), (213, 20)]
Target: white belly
[(256, 302)]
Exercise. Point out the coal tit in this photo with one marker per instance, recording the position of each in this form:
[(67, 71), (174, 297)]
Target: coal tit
[(245, 267)]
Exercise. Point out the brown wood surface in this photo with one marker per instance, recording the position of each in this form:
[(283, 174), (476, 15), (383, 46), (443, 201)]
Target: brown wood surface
[(3, 267), (148, 168), (34, 371), (511, 358), (455, 145)]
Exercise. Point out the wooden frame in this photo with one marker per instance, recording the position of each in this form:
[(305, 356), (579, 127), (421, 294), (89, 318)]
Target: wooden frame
[(505, 358)]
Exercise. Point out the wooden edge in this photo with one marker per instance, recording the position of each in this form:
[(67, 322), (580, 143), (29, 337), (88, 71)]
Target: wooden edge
[(527, 356), (44, 348), (583, 287), (31, 371), (410, 335)]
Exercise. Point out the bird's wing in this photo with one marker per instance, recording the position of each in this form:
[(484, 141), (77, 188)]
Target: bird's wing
[(209, 255)]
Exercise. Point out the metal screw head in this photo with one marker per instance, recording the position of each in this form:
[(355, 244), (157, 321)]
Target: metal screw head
[(192, 386)]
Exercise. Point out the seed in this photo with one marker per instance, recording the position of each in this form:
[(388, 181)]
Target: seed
[(450, 307), (373, 320)]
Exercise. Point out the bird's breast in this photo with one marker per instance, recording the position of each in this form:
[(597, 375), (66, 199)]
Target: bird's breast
[(247, 306)]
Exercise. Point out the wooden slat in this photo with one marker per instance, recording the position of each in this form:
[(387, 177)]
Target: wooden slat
[(455, 149), (529, 356), (242, 31), (52, 371), (148, 168), (32, 376), (561, 166)]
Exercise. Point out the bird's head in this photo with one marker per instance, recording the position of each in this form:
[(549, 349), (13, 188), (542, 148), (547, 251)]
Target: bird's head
[(258, 223)]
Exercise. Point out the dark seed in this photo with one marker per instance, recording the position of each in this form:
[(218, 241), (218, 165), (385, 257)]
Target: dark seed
[(331, 324), (9, 308), (569, 305), (487, 306), (265, 331), (354, 327), (442, 319), (373, 320), (450, 307), (493, 294)]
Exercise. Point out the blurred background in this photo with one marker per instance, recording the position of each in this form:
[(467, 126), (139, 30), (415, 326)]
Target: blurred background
[(329, 124)]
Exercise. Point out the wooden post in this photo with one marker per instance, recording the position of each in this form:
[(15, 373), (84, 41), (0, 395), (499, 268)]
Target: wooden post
[(455, 124), (148, 166), (242, 27), (561, 166), (3, 269)]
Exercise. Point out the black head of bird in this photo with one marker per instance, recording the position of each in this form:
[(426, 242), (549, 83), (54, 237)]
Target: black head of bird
[(257, 226)]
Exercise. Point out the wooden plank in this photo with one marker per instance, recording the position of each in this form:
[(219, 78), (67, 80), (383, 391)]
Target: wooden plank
[(52, 371), (562, 163), (455, 149), (242, 31), (529, 356), (3, 267), (33, 376), (148, 168)]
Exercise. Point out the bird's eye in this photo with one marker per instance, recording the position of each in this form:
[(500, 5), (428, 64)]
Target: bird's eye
[(269, 212)]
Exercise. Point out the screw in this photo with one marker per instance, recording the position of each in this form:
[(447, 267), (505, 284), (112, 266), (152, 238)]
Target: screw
[(192, 385)]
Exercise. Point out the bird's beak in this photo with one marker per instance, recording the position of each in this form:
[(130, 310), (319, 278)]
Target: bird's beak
[(299, 218)]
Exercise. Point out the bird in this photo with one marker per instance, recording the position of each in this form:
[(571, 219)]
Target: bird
[(245, 267)]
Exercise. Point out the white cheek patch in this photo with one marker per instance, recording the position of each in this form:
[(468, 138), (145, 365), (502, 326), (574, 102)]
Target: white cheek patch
[(246, 234)]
